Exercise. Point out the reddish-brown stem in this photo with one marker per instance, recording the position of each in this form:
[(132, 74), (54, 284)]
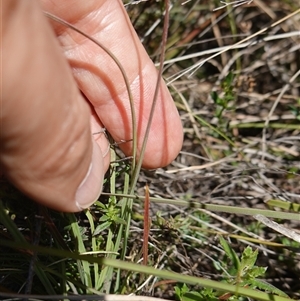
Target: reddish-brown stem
[(146, 225)]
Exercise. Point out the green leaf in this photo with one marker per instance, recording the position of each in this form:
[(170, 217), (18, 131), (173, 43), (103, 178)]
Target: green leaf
[(262, 285), (228, 80), (214, 96), (180, 290), (99, 204), (192, 296), (284, 204), (177, 293), (230, 253), (83, 266), (103, 218), (248, 260), (101, 227), (119, 220), (257, 271), (209, 294)]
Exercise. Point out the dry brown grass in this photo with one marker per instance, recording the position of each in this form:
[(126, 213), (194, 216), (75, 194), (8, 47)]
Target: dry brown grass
[(263, 161)]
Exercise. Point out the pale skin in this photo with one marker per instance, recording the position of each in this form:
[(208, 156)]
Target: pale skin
[(58, 88)]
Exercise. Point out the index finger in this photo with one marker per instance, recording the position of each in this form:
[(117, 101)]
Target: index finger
[(100, 79)]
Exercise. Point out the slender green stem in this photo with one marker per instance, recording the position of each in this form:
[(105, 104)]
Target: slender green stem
[(157, 88), (262, 125), (148, 128), (219, 208)]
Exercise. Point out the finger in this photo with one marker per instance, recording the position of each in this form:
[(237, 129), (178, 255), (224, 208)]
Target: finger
[(47, 149), (102, 83)]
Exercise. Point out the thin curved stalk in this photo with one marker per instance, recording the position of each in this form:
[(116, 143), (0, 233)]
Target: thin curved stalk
[(215, 207), (159, 78), (148, 128), (114, 58)]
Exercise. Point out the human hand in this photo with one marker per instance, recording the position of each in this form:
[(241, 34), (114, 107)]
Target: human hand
[(46, 142)]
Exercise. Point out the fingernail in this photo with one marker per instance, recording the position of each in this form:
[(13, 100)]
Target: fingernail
[(91, 187)]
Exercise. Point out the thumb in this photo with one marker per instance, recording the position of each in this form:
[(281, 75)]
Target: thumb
[(47, 149)]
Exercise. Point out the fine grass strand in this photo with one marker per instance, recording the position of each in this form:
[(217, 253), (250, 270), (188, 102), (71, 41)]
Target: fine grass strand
[(148, 128), (157, 86), (198, 65), (220, 208), (94, 245), (115, 59), (83, 267)]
